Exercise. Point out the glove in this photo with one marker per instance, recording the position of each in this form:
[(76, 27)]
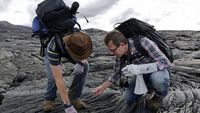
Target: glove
[(77, 69), (70, 109), (140, 86), (132, 69)]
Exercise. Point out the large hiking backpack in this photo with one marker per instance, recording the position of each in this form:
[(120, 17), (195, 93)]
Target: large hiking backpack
[(54, 18), (134, 28), (56, 15)]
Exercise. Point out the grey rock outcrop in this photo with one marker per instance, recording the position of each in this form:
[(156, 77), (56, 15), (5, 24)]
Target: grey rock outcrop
[(23, 80)]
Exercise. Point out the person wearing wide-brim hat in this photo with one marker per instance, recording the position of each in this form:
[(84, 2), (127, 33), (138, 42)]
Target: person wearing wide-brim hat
[(78, 47)]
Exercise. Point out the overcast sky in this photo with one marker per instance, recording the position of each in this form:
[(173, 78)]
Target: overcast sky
[(103, 14)]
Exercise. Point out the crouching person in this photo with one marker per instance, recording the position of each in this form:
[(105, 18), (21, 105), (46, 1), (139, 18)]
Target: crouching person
[(78, 47), (146, 72)]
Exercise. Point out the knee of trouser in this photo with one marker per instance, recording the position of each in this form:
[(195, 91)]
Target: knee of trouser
[(161, 87), (162, 90)]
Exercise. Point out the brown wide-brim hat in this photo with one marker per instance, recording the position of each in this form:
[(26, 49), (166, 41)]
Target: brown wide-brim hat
[(78, 45)]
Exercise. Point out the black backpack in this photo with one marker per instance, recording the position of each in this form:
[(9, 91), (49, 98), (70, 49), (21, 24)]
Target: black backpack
[(134, 28), (56, 15), (54, 18)]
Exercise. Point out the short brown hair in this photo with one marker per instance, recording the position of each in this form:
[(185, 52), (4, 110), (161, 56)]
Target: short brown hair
[(116, 36)]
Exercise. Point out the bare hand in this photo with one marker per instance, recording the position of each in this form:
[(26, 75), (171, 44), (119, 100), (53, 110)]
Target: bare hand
[(98, 90), (83, 61)]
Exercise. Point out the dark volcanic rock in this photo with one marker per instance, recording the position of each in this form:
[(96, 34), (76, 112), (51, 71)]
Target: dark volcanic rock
[(23, 80)]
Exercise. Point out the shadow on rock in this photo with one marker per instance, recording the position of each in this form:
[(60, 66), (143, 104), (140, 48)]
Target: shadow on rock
[(1, 99)]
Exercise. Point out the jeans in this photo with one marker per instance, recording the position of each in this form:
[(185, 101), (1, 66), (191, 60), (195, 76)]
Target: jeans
[(76, 88), (159, 81)]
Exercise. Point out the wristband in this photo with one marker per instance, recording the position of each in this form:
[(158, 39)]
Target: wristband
[(67, 105)]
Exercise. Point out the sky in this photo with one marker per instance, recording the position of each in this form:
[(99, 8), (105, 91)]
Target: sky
[(103, 14)]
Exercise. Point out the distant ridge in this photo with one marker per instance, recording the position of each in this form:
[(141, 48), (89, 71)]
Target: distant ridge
[(8, 27)]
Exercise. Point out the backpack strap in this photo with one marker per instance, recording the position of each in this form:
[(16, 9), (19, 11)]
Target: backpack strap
[(59, 43), (42, 47), (139, 47)]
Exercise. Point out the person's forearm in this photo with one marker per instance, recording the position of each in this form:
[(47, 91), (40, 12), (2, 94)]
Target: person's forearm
[(106, 84), (60, 84), (62, 91)]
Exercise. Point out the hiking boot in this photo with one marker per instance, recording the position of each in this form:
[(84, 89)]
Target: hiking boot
[(155, 103), (78, 104), (148, 96), (48, 105)]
